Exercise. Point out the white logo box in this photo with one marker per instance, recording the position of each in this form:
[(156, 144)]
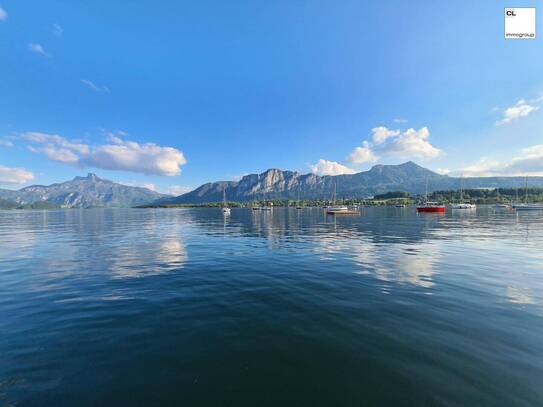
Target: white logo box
[(519, 23)]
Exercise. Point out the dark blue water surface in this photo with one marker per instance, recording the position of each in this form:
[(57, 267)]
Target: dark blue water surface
[(187, 307)]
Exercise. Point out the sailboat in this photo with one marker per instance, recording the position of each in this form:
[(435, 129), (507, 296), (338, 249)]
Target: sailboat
[(267, 207), (339, 209), (462, 205), (298, 203), (225, 209), (500, 205), (428, 206), (526, 206), (256, 206)]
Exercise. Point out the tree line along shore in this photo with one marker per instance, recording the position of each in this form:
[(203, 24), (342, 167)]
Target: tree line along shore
[(476, 196)]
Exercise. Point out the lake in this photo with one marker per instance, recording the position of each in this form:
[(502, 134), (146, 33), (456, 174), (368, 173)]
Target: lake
[(188, 307)]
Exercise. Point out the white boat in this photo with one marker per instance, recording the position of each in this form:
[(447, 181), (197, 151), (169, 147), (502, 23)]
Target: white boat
[(500, 205), (298, 203), (463, 205), (225, 209), (528, 207), (339, 209)]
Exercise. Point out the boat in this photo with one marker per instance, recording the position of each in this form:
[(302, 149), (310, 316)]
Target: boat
[(431, 207), (298, 204), (500, 205), (400, 205), (255, 206), (225, 209), (463, 205), (428, 206), (528, 206), (339, 209), (267, 207)]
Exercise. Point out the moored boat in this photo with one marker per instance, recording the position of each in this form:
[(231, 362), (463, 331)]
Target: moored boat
[(428, 206), (463, 206), (225, 209), (431, 207), (339, 209), (528, 207)]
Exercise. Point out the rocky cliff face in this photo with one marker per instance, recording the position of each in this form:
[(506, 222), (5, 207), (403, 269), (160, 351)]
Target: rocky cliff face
[(84, 192), (278, 184)]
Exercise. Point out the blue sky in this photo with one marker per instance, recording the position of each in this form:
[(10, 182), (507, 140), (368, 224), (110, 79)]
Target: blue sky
[(173, 94)]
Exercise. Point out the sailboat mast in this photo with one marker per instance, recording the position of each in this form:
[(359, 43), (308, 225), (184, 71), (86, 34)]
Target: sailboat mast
[(426, 192), (526, 191)]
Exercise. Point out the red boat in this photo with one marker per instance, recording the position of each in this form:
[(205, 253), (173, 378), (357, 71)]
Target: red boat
[(428, 206), (431, 207)]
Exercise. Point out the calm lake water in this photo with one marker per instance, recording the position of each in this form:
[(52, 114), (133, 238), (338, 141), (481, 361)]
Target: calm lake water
[(187, 307)]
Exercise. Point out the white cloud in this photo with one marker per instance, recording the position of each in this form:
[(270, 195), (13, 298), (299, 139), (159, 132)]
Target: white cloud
[(5, 143), (147, 158), (381, 134), (119, 154), (37, 49), (3, 14), (528, 162), (485, 167), (56, 147), (406, 144), (147, 185), (361, 155), (54, 153), (58, 30), (94, 87), (411, 143), (177, 190), (520, 109), (239, 177), (15, 175), (325, 167), (443, 171)]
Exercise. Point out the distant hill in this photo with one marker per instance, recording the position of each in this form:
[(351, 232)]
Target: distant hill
[(81, 192), (277, 184)]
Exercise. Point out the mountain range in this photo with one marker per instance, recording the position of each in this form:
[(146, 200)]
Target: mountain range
[(92, 191), (81, 192), (278, 184)]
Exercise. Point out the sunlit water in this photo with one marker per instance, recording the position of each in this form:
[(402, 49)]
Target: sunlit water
[(187, 307)]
